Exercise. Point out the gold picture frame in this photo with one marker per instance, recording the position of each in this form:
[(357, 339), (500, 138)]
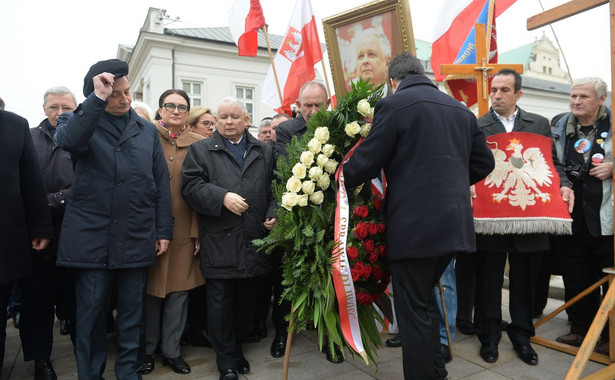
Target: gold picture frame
[(348, 33)]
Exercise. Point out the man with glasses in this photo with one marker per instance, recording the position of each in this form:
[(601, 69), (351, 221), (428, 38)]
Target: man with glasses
[(38, 290), (117, 220)]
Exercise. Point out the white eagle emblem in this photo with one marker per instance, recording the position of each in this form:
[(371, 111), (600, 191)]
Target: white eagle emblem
[(294, 41), (520, 176)]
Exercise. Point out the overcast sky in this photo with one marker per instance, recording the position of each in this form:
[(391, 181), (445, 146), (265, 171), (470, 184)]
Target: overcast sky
[(49, 43)]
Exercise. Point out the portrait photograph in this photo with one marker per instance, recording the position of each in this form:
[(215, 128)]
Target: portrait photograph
[(362, 41)]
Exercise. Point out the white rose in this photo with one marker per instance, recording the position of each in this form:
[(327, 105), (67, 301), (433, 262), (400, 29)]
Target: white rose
[(352, 129), (307, 158), (293, 185), (322, 134), (314, 145), (321, 160), (308, 187), (317, 197), (299, 171), (371, 113), (303, 200), (328, 150), (315, 173), (289, 200), (324, 181), (363, 107), (365, 128), (331, 166)]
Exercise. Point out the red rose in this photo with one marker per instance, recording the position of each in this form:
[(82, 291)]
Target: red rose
[(360, 231), (364, 298), (372, 256), (367, 270), (360, 212), (376, 272), (352, 253), (382, 250), (377, 204), (372, 228), (381, 228), (357, 270), (368, 246)]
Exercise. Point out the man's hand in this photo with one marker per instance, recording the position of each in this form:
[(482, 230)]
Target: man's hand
[(103, 85), (269, 223), (568, 197), (38, 244), (161, 246), (235, 203), (197, 246), (472, 195), (602, 170)]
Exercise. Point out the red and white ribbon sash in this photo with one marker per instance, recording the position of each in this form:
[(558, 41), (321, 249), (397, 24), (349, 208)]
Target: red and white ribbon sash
[(342, 278)]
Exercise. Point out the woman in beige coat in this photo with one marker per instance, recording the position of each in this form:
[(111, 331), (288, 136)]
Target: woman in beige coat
[(177, 270)]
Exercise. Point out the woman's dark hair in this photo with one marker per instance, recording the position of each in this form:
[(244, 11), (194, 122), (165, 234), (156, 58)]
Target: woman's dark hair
[(164, 95)]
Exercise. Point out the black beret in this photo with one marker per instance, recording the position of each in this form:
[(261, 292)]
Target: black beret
[(112, 66)]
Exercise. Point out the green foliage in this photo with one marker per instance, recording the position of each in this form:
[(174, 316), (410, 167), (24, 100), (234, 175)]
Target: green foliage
[(305, 234)]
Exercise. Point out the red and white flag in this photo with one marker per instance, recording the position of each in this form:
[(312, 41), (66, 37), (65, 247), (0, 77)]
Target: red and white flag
[(455, 24), (299, 52), (245, 18)]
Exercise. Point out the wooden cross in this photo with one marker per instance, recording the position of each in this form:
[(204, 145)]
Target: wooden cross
[(481, 69), (583, 354)]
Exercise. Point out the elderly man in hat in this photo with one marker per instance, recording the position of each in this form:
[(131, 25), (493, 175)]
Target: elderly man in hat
[(118, 216)]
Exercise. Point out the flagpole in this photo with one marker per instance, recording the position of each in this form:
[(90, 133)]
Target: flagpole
[(275, 74), (489, 27), (324, 73)]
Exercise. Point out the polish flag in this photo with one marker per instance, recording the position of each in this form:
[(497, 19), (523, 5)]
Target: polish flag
[(295, 59), (456, 19), (245, 18)]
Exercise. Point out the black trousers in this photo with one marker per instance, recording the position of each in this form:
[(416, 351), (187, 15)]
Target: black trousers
[(417, 315), (230, 311), (466, 285), (281, 308), (582, 259), (5, 294), (197, 308), (524, 267)]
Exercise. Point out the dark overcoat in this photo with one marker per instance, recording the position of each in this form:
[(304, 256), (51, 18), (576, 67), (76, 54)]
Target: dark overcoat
[(120, 201), (24, 214), (529, 123), (432, 151), (57, 167), (285, 132), (209, 172)]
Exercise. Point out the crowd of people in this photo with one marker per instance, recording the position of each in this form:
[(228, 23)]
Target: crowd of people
[(116, 219)]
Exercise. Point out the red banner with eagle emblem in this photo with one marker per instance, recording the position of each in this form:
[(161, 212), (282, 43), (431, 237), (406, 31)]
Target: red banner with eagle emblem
[(522, 194)]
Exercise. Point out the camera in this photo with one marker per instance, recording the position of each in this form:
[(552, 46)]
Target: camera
[(576, 173)]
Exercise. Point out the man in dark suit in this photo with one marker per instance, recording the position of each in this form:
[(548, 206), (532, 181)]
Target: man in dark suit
[(26, 220), (312, 98), (523, 251), (431, 150)]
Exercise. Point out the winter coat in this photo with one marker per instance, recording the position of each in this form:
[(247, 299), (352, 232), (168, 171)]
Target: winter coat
[(57, 167), (120, 201), (178, 268), (431, 150), (24, 214), (209, 172)]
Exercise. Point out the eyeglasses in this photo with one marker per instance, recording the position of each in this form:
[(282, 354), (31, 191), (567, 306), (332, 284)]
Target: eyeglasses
[(57, 108), (171, 107), (208, 123)]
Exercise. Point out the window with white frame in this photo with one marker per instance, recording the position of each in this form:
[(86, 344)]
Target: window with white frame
[(194, 91), (246, 96)]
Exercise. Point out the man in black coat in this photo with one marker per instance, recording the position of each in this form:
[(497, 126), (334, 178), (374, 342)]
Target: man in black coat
[(523, 251), (432, 151), (26, 222), (39, 289), (227, 181)]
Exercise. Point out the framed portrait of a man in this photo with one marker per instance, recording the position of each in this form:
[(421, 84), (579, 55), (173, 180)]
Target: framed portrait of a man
[(362, 41)]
